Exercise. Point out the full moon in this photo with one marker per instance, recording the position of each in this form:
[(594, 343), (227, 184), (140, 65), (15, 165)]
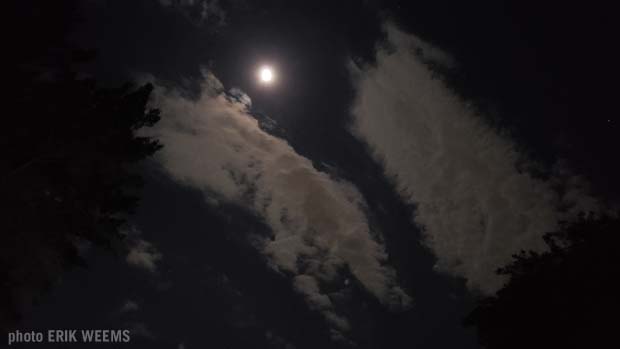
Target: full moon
[(266, 75)]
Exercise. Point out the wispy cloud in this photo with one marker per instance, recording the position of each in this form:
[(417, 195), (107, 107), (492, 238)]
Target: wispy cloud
[(141, 253), (319, 228), (129, 306), (199, 12), (140, 329), (475, 207)]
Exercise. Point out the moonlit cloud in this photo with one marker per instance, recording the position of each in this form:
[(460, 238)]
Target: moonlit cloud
[(143, 255), (213, 144), (475, 207)]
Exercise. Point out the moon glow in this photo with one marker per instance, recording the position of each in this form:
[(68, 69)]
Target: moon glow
[(266, 75)]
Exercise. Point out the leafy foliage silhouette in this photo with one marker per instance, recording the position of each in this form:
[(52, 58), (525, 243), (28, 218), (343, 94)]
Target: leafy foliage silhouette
[(565, 297), (70, 152)]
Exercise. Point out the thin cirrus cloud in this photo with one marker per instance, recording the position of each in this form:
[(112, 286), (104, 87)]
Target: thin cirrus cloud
[(319, 228), (473, 205)]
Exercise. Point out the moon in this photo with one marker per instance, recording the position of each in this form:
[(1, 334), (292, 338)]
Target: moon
[(266, 75)]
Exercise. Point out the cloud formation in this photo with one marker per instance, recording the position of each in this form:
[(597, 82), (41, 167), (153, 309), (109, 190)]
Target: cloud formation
[(199, 11), (140, 329), (143, 255), (319, 228), (475, 207), (129, 306)]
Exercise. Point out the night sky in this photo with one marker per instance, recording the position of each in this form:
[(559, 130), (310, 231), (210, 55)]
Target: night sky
[(363, 198)]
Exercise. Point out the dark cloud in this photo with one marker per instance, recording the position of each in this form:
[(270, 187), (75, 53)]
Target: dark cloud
[(129, 306), (199, 12)]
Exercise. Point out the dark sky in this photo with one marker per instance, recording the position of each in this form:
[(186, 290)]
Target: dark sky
[(538, 80)]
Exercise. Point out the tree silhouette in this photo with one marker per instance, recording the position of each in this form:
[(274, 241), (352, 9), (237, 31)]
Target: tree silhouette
[(566, 297), (68, 173)]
